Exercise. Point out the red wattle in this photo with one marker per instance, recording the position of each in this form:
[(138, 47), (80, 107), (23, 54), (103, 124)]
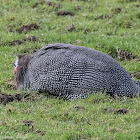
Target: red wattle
[(15, 70)]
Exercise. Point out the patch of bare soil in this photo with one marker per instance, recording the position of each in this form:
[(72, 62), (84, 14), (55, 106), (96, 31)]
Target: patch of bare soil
[(28, 123), (28, 28), (27, 97), (129, 25), (38, 3), (104, 17), (30, 97), (11, 28), (28, 50), (54, 5), (137, 5), (70, 28), (15, 42), (27, 38), (118, 10), (77, 42), (65, 13), (4, 98), (42, 133), (124, 34), (11, 84), (138, 118), (49, 3), (118, 111), (136, 75), (31, 38), (124, 55), (78, 8), (85, 30)]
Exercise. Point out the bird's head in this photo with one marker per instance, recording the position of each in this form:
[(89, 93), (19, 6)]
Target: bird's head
[(16, 64)]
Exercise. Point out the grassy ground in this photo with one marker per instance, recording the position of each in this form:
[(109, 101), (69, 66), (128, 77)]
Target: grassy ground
[(99, 24)]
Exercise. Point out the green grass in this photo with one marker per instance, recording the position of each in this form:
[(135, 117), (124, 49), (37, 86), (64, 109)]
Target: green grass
[(98, 24)]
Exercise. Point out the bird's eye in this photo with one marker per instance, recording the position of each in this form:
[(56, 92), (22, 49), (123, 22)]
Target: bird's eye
[(15, 63)]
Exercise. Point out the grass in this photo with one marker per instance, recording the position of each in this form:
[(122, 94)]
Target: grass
[(99, 24)]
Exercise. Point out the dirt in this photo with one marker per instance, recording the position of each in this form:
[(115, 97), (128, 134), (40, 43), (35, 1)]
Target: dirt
[(138, 118), (4, 98), (136, 75), (54, 5), (118, 10), (124, 55), (49, 3), (137, 5), (129, 25), (7, 98), (124, 34), (121, 111), (42, 133), (85, 30), (66, 114), (25, 28), (15, 42), (19, 42), (11, 84), (77, 42), (70, 28), (38, 3), (78, 8), (28, 97), (79, 108), (65, 13), (118, 111), (31, 38), (104, 17), (28, 27), (10, 30), (28, 123)]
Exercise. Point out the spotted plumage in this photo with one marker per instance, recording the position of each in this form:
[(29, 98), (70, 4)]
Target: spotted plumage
[(76, 71)]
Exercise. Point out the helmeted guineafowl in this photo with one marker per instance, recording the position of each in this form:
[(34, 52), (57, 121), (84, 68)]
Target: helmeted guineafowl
[(75, 71)]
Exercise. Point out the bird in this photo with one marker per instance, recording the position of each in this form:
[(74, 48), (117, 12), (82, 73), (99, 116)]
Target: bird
[(72, 72)]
